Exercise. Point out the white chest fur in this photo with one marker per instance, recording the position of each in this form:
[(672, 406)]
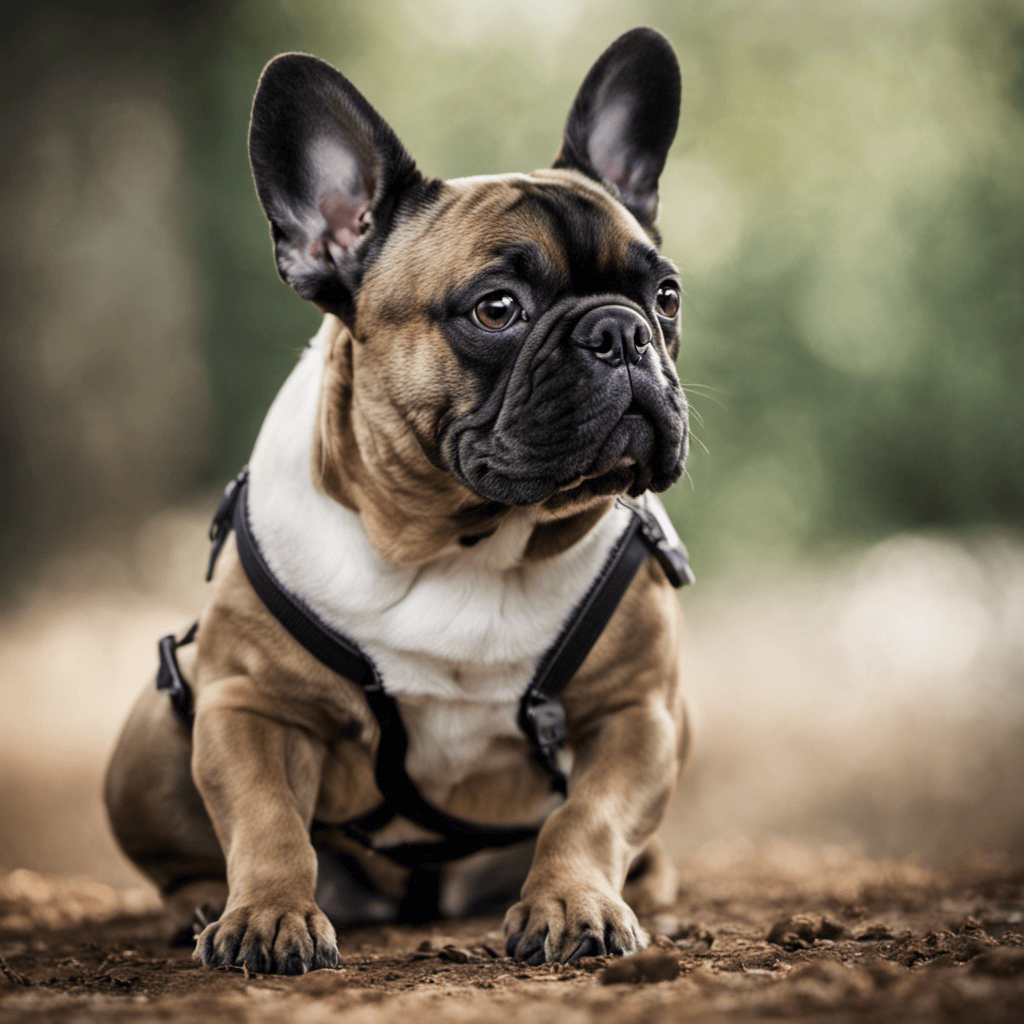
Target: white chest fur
[(456, 640)]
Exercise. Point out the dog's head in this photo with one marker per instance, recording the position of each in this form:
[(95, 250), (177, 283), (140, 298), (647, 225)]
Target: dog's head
[(510, 339)]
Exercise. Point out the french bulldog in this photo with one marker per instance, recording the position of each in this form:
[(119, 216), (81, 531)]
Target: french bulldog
[(440, 479)]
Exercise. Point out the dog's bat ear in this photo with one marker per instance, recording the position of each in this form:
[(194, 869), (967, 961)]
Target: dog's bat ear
[(329, 173), (625, 118)]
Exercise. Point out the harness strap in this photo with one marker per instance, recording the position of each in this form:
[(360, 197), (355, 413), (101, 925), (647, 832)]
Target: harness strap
[(541, 716), (336, 652), (342, 656)]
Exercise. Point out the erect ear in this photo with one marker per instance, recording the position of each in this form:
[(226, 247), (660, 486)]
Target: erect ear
[(329, 173), (624, 119)]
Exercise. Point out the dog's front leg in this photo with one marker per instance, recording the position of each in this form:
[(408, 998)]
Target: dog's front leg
[(571, 903), (259, 780)]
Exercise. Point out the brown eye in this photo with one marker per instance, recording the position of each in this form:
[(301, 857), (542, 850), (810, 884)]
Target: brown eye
[(497, 311), (668, 301)]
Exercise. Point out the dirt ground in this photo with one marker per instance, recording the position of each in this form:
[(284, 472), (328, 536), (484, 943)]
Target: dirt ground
[(781, 932), (869, 708)]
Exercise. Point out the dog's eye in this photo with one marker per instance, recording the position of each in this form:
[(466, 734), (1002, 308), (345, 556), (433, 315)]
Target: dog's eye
[(497, 311), (668, 300)]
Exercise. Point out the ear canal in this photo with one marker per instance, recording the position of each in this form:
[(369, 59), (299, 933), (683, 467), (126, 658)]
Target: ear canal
[(624, 119), (329, 173)]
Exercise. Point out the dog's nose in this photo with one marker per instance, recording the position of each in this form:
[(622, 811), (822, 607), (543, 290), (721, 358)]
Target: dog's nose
[(613, 334)]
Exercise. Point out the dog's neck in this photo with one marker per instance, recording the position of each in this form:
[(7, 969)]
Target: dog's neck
[(414, 511)]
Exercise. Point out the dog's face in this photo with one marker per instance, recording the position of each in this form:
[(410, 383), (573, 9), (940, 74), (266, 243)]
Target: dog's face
[(514, 335)]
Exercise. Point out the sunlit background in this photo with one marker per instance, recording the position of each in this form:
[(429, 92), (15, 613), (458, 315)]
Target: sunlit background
[(846, 200)]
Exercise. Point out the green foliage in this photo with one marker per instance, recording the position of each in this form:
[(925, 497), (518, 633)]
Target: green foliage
[(845, 199), (806, 443)]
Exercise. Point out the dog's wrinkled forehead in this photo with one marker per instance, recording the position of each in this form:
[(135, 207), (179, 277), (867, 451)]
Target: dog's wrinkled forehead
[(552, 228)]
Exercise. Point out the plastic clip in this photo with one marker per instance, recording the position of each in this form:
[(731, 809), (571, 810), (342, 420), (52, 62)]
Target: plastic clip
[(547, 724), (168, 673), (673, 558), (223, 518)]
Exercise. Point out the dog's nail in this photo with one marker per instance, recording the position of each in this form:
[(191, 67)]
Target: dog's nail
[(291, 964), (589, 945)]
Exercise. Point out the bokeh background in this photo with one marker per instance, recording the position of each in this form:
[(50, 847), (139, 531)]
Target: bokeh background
[(846, 200)]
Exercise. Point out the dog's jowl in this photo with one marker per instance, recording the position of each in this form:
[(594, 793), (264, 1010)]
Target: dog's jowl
[(438, 672)]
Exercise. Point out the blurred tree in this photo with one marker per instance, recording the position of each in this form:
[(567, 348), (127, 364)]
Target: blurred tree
[(857, 269), (252, 327), (846, 200), (104, 402)]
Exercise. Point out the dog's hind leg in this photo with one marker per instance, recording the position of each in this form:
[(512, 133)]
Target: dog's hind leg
[(487, 882), (653, 881), (158, 816), (347, 894), (192, 906)]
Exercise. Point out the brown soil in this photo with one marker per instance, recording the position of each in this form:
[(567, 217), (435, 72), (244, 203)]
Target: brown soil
[(783, 932)]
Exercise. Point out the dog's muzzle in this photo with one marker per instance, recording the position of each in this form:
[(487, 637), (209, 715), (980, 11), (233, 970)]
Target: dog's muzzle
[(589, 403)]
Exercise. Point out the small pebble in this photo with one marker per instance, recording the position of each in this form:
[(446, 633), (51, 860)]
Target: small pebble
[(455, 955), (801, 930), (641, 969)]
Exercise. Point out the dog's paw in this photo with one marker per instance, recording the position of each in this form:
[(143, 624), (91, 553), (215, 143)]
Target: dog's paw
[(269, 940), (571, 922)]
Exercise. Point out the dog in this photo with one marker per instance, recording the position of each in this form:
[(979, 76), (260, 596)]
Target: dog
[(441, 482)]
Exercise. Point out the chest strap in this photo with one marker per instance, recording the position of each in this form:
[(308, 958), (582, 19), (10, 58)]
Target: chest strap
[(541, 716)]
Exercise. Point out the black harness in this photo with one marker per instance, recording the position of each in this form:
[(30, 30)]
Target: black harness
[(541, 716)]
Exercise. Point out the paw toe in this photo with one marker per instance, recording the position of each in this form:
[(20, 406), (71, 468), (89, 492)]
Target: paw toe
[(530, 947), (269, 942), (568, 926)]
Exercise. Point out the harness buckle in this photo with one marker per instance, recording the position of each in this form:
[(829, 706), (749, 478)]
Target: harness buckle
[(168, 673), (223, 518), (547, 723), (673, 558)]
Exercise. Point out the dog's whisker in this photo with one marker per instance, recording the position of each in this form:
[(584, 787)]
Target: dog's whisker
[(695, 438), (712, 398)]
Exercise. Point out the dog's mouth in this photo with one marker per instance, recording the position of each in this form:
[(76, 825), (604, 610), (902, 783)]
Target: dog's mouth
[(622, 464), (620, 479), (636, 455)]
